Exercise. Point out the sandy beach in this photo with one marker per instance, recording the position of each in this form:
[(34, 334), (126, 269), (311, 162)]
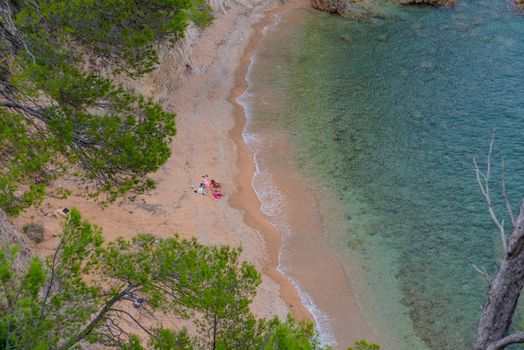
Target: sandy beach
[(200, 80)]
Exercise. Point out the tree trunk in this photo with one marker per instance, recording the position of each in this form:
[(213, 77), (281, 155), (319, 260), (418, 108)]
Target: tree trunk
[(503, 292), (95, 321), (215, 330)]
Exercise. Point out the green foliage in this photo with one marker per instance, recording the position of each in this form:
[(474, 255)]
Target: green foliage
[(364, 345), (224, 298), (119, 33), (48, 302), (35, 231), (24, 155), (59, 111), (115, 137), (60, 192), (200, 13), (166, 339), (52, 305), (289, 335), (162, 339), (133, 343)]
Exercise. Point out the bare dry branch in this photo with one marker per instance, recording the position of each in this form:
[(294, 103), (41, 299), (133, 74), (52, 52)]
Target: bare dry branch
[(119, 313), (505, 193), (86, 331), (482, 271), (52, 279), (483, 181), (490, 158)]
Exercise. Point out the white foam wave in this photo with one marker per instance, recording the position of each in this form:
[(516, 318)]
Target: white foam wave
[(272, 25), (322, 321), (273, 202)]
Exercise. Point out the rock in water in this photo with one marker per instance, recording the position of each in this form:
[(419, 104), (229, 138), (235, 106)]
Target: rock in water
[(325, 5), (347, 39), (427, 2), (342, 7), (357, 9)]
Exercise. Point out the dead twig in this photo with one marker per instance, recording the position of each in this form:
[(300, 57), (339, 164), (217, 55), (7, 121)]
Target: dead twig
[(483, 181)]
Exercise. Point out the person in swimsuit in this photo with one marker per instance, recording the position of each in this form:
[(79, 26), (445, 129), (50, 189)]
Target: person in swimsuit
[(216, 189), (207, 183), (202, 186)]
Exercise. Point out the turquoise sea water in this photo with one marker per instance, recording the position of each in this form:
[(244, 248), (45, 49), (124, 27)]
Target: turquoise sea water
[(389, 113)]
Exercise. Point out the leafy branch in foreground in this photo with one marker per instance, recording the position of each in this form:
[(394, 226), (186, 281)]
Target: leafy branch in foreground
[(91, 292), (119, 34), (61, 113), (115, 148)]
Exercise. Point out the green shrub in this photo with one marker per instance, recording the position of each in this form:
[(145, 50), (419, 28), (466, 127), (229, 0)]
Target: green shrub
[(35, 232)]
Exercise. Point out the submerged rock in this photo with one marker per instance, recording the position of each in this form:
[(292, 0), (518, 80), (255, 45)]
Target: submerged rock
[(348, 39), (427, 2), (359, 9)]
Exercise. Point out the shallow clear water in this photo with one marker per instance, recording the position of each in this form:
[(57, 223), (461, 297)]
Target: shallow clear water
[(389, 113)]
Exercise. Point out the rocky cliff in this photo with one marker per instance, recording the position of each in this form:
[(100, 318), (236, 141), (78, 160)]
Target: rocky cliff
[(8, 237), (332, 6)]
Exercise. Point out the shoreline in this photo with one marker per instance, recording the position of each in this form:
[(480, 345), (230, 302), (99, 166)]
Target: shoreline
[(299, 250), (210, 124), (245, 198)]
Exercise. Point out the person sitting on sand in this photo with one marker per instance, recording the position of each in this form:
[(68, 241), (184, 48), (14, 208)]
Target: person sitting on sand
[(216, 189), (207, 182), (202, 186)]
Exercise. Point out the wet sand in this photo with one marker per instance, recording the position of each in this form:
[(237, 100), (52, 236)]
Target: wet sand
[(307, 256)]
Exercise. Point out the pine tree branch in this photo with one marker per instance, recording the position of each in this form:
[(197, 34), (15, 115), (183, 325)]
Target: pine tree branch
[(96, 320), (137, 322)]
